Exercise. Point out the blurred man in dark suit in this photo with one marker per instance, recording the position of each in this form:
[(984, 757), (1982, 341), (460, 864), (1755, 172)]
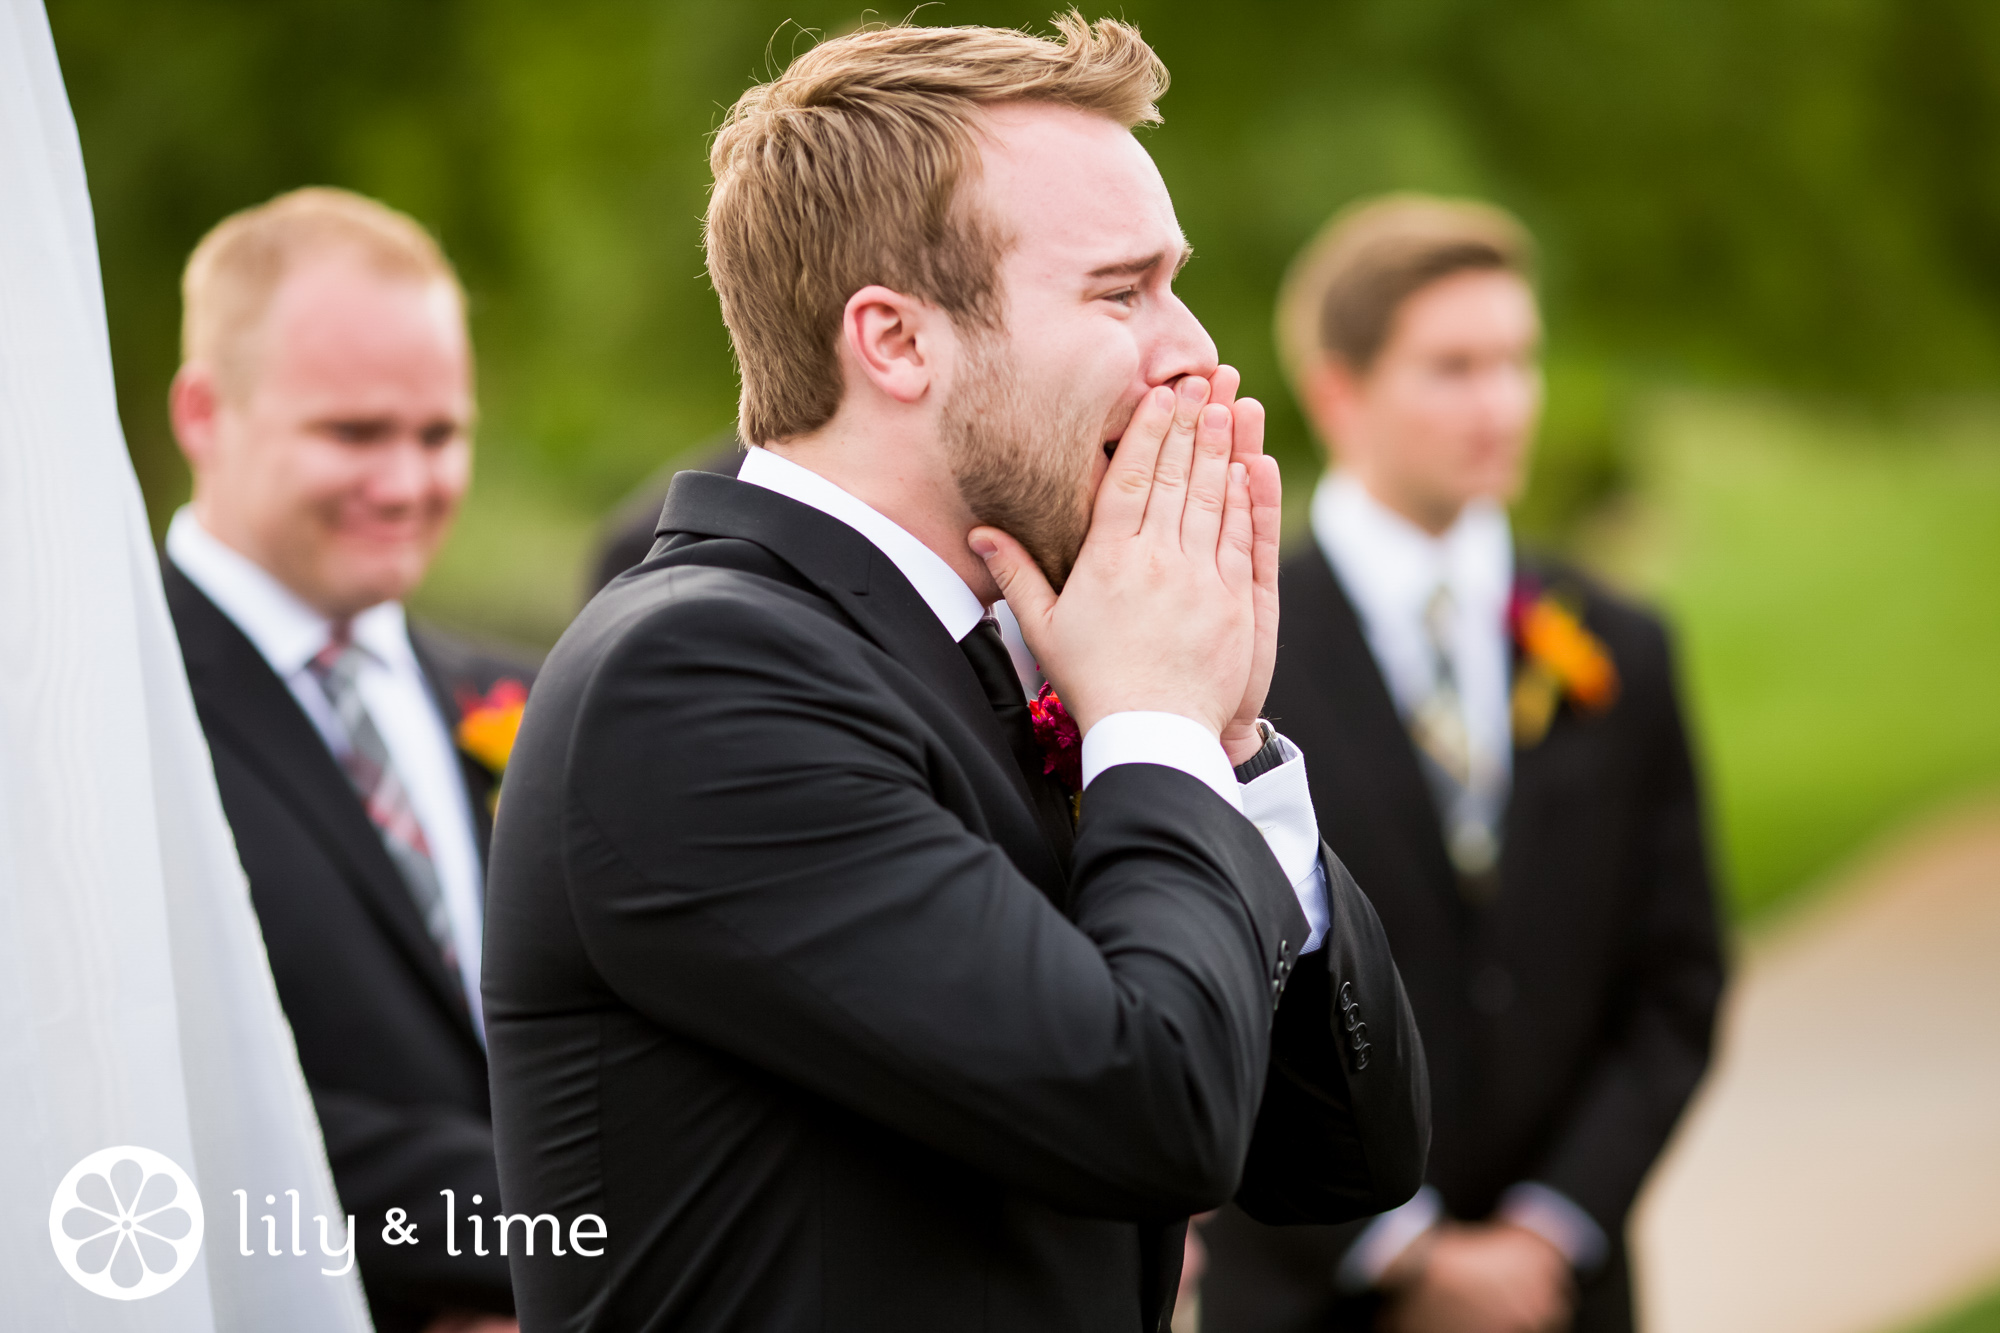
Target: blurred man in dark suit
[(325, 405), (1500, 758)]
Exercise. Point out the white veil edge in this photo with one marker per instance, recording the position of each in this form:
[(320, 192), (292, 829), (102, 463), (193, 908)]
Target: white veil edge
[(136, 1004)]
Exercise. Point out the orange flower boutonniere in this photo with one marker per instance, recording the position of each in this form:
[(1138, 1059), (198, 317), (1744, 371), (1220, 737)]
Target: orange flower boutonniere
[(488, 723), (1558, 659)]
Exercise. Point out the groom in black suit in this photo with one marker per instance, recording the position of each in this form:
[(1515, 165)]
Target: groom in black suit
[(324, 407), (810, 1006), (1499, 755)]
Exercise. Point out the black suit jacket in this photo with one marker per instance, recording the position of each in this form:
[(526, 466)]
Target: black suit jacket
[(787, 981), (383, 1029), (1568, 1021)]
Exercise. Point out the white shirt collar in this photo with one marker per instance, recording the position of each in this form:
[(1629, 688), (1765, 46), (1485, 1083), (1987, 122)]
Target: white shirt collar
[(284, 630), (947, 595), (1390, 566)]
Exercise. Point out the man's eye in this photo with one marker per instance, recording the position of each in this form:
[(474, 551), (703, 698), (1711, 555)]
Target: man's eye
[(1125, 296), (438, 434)]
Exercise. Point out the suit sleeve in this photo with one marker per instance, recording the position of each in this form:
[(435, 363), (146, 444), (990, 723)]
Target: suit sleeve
[(1344, 1128), (393, 1156), (763, 855), (1631, 1097)]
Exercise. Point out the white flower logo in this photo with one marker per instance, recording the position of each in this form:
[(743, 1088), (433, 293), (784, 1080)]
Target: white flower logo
[(126, 1223)]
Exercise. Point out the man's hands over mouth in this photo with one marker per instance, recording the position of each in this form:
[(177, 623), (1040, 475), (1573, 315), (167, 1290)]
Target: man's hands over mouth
[(1173, 603)]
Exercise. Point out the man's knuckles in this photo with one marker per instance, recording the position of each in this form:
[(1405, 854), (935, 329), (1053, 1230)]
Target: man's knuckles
[(1132, 481)]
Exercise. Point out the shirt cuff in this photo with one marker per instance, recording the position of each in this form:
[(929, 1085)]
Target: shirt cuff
[(1279, 803), (1557, 1219), (1385, 1239), (1167, 739)]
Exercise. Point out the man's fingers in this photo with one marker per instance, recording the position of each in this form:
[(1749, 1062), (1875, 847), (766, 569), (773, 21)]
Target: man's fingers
[(1266, 488), (1235, 558), (1223, 384), (1208, 483), (1248, 417), (1121, 499), (1021, 580), (1171, 470)]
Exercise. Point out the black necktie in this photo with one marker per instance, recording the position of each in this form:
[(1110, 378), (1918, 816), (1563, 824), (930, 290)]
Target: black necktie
[(994, 666)]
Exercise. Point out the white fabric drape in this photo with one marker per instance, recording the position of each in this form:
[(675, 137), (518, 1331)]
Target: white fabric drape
[(136, 1005)]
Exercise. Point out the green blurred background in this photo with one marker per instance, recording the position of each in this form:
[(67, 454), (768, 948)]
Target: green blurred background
[(1772, 273), (1771, 265), (1772, 276)]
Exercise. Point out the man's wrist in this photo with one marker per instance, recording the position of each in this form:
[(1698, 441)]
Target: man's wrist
[(1269, 754), (1558, 1219), (1387, 1239), (1242, 742), (1172, 740), (1406, 1270)]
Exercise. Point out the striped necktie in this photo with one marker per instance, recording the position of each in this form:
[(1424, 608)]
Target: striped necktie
[(1438, 726), (367, 765)]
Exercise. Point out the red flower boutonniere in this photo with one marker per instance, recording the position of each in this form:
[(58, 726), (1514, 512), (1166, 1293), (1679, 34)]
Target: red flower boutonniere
[(1559, 659), (1061, 742), (488, 724)]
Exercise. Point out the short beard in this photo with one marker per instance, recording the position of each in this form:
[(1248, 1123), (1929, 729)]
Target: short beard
[(1021, 466)]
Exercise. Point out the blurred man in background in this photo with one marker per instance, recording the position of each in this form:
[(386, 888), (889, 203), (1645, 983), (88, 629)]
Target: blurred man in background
[(325, 407), (1499, 756)]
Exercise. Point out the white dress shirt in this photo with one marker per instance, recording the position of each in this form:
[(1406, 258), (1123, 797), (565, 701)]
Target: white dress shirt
[(288, 633), (1390, 568), (1278, 802)]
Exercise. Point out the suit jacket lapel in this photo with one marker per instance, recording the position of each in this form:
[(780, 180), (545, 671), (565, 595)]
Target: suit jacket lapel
[(1326, 627), (867, 586), (241, 700), (1537, 767)]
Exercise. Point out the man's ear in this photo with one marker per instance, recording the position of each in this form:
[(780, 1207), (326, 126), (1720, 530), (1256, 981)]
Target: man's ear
[(193, 402), (897, 343)]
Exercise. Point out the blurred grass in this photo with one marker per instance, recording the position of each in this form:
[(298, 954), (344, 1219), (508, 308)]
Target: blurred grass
[(1835, 584), (1981, 1316)]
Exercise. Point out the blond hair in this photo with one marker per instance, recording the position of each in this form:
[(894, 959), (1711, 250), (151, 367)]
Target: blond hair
[(1342, 293), (233, 272), (846, 171)]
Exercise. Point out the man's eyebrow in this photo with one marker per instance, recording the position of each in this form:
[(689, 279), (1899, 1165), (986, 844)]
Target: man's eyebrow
[(373, 422), (1132, 268)]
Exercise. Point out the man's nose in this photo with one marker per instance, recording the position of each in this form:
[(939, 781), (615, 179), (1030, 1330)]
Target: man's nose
[(400, 472), (1507, 392), (1182, 348)]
